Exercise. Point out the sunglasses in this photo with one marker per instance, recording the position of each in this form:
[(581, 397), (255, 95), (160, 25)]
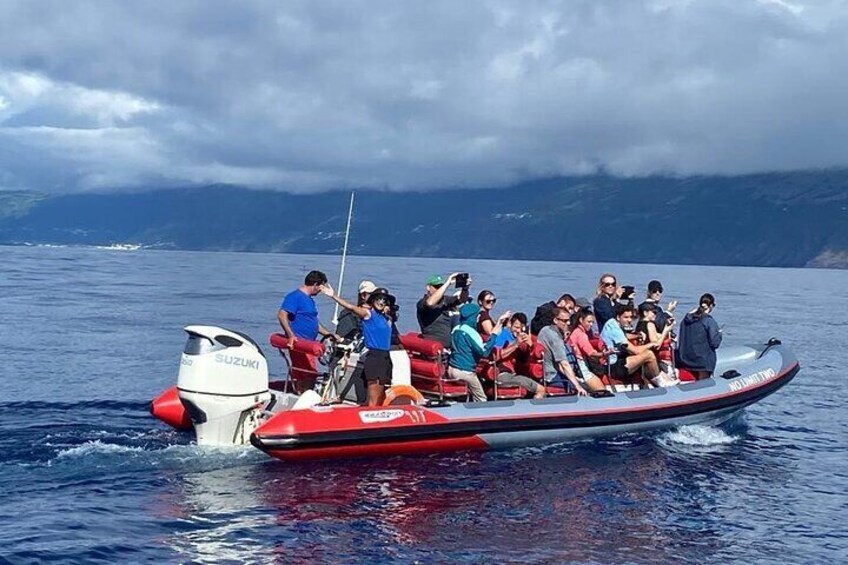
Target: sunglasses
[(608, 283), (490, 300), (563, 320)]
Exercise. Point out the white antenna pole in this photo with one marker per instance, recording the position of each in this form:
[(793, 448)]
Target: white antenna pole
[(344, 258)]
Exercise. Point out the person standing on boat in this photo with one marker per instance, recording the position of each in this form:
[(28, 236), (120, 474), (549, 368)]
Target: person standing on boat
[(606, 296), (298, 314), (401, 366), (377, 335), (350, 325), (555, 362), (467, 348), (700, 336), (433, 310)]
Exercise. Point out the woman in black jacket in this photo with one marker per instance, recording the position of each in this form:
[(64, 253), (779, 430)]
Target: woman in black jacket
[(700, 336)]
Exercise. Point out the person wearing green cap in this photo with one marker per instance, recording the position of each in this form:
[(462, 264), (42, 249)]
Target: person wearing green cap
[(433, 310)]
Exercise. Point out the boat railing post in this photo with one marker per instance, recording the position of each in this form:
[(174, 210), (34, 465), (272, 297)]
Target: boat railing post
[(344, 258)]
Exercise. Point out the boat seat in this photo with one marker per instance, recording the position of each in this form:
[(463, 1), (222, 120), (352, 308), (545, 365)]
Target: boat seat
[(556, 390), (429, 368), (487, 372), (685, 375), (303, 371)]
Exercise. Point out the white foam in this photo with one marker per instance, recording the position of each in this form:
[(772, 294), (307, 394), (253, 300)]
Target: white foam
[(96, 447), (697, 436), (183, 456)]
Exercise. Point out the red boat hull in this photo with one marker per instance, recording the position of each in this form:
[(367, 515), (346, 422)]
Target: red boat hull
[(168, 408)]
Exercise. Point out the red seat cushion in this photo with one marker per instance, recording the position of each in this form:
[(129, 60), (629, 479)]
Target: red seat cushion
[(685, 376), (422, 346)]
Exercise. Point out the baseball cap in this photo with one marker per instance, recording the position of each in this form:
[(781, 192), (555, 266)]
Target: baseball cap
[(367, 286), (436, 280)]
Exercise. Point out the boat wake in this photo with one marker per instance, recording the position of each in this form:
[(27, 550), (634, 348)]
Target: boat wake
[(97, 447), (700, 438), (181, 456)]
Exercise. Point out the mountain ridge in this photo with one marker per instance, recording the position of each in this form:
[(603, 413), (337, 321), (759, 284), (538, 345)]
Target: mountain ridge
[(797, 219)]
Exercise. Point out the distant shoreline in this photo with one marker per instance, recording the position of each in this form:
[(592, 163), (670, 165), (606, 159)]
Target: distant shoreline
[(132, 247), (794, 220)]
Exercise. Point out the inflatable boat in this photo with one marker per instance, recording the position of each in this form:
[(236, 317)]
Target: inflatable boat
[(223, 392)]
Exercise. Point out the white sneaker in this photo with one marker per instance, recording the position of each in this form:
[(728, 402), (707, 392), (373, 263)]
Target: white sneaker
[(663, 380)]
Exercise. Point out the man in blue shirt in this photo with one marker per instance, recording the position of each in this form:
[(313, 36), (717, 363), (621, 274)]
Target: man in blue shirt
[(630, 357), (298, 314)]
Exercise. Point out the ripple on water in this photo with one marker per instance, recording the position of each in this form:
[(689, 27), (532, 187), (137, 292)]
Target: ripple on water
[(99, 480)]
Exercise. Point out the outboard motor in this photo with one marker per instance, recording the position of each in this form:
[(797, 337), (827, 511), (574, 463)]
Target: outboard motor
[(223, 384)]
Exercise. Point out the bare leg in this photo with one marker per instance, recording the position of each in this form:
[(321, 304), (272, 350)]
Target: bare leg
[(646, 359), (376, 393), (593, 384)]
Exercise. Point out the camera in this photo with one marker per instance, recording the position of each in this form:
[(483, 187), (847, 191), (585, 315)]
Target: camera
[(461, 280), (393, 307)]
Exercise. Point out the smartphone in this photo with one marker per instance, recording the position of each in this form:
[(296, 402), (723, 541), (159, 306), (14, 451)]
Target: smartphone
[(461, 280)]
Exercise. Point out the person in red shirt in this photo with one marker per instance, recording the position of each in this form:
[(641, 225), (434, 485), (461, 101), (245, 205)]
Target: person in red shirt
[(509, 342)]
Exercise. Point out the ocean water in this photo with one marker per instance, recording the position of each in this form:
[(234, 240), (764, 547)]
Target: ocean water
[(90, 336)]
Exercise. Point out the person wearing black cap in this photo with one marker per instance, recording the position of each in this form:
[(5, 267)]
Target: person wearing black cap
[(655, 292), (401, 369), (377, 334)]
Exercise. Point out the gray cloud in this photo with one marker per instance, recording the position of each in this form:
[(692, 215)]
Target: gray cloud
[(310, 95)]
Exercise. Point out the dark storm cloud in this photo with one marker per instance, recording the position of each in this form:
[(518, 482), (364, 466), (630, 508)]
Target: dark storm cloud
[(310, 95)]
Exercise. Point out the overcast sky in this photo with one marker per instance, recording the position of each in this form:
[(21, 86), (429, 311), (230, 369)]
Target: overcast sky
[(400, 94)]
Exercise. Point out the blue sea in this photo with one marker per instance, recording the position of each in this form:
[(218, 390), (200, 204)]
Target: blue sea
[(90, 336)]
